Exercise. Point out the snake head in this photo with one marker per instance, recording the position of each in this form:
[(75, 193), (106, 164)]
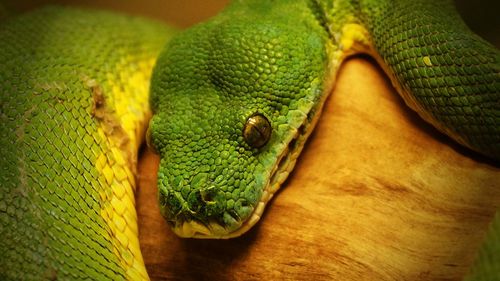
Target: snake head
[(233, 102)]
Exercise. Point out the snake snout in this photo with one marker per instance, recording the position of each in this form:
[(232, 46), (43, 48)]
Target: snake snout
[(196, 207), (201, 208)]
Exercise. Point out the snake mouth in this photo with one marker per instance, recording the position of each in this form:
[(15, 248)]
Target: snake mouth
[(283, 166)]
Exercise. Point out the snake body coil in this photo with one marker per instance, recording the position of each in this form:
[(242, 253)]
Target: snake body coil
[(73, 103), (234, 100)]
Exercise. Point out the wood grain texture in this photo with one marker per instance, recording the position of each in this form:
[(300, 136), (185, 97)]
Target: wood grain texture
[(376, 195)]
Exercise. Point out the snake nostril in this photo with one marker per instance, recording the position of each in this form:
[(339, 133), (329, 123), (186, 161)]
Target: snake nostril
[(208, 195), (207, 191)]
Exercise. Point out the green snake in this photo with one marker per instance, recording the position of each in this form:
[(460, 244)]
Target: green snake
[(233, 101)]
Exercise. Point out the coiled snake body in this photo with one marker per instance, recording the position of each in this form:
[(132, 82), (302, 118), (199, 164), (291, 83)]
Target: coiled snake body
[(233, 101)]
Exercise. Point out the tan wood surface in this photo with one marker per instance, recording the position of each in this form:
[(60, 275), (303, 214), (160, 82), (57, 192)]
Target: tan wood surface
[(377, 195)]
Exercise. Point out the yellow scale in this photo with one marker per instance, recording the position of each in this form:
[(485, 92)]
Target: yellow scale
[(128, 113)]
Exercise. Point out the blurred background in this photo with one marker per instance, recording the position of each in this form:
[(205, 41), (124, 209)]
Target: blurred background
[(480, 15)]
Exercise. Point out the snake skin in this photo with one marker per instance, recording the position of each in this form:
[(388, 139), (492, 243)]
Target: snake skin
[(453, 74), (66, 201), (446, 73)]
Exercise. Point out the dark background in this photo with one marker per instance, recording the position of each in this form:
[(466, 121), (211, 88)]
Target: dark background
[(481, 16)]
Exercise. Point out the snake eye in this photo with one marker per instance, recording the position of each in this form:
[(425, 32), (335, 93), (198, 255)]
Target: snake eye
[(257, 130)]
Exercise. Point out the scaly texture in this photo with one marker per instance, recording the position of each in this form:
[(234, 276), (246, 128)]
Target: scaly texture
[(450, 76), (74, 102), (73, 98)]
